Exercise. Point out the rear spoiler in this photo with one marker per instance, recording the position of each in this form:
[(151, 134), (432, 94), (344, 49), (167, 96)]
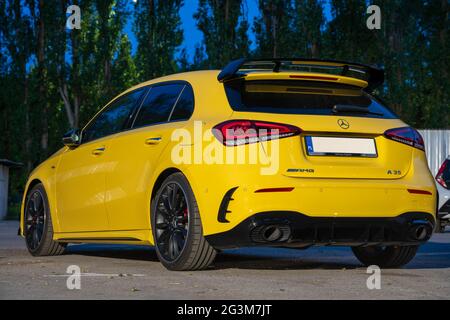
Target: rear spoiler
[(239, 68)]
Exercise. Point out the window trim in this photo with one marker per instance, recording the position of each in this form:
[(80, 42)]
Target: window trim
[(107, 107), (176, 103), (141, 99), (183, 82)]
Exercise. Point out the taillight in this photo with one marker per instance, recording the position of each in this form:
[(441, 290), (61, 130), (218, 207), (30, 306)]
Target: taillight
[(239, 132), (440, 175), (406, 135)]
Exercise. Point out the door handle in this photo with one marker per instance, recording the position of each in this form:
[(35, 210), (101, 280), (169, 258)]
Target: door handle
[(98, 151), (153, 140)]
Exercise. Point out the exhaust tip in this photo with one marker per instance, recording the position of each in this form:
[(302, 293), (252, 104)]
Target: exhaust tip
[(421, 230), (271, 233)]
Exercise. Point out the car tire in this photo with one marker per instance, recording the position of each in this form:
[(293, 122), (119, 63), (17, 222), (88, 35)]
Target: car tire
[(385, 257), (38, 225), (169, 222)]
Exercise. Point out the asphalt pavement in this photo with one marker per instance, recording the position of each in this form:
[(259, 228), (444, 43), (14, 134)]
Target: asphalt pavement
[(133, 272)]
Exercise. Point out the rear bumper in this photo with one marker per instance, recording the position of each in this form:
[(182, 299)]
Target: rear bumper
[(228, 195), (293, 229)]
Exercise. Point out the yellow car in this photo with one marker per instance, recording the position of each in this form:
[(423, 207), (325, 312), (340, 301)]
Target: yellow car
[(277, 152)]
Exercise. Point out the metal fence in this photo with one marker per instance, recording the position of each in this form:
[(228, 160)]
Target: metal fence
[(437, 147)]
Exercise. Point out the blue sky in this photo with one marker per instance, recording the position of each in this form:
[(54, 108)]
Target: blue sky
[(193, 37)]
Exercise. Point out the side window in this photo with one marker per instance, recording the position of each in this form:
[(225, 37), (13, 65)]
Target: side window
[(185, 105), (158, 105), (113, 118)]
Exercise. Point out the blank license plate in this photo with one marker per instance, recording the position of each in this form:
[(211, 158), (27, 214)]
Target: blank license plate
[(335, 146)]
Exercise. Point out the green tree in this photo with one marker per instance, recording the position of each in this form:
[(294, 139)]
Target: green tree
[(224, 28), (273, 29), (434, 104), (124, 73), (158, 31), (16, 140), (112, 16), (347, 36), (415, 57), (16, 34), (307, 28), (88, 79)]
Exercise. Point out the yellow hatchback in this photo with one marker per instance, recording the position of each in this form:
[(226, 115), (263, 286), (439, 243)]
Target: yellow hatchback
[(277, 152)]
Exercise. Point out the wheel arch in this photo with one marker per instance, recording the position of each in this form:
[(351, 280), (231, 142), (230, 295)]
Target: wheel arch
[(35, 180), (163, 174), (31, 185), (161, 177), (28, 187)]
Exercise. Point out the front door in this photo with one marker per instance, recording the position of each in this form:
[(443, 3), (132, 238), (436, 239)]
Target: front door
[(80, 187), (81, 173)]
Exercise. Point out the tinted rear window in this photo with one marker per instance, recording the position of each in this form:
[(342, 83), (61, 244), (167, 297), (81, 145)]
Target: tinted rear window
[(158, 104), (185, 105), (302, 97)]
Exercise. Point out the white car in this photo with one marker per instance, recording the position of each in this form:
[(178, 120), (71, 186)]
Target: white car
[(443, 187)]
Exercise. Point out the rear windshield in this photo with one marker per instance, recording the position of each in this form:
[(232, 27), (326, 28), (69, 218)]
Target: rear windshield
[(304, 97)]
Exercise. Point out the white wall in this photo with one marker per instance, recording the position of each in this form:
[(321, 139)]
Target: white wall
[(4, 175), (437, 147)]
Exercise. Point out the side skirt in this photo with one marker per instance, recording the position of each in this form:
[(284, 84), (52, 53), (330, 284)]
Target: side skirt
[(136, 237)]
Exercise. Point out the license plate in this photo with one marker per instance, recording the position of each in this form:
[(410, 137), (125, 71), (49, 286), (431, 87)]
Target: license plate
[(345, 147)]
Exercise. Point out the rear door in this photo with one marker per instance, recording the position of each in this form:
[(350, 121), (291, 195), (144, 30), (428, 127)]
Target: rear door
[(137, 151), (342, 128)]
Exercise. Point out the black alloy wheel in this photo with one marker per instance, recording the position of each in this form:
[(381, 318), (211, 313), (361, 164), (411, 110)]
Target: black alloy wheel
[(172, 221), (177, 226), (38, 226), (35, 220)]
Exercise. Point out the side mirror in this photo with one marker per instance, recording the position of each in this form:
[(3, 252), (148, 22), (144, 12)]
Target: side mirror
[(72, 138)]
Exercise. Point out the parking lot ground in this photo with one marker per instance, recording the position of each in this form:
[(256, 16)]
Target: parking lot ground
[(133, 272)]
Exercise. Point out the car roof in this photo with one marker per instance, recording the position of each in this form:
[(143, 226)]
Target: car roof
[(204, 84), (191, 77)]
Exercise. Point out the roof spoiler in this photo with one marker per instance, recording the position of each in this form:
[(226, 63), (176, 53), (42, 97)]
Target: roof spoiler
[(374, 76)]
